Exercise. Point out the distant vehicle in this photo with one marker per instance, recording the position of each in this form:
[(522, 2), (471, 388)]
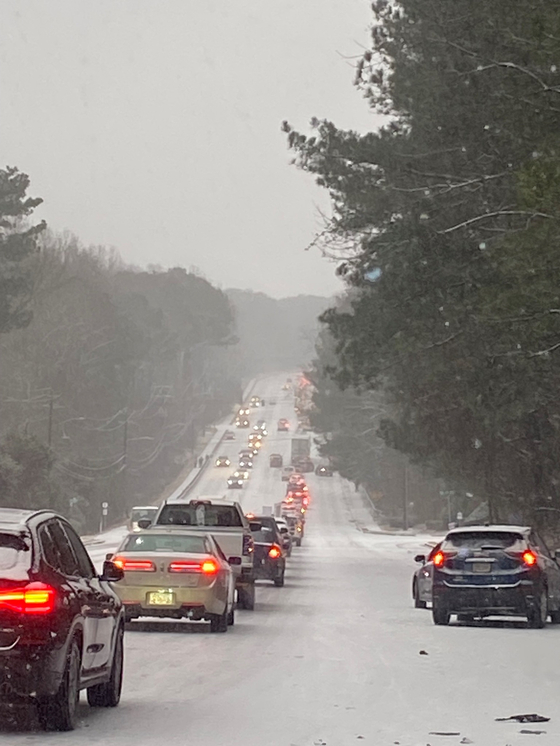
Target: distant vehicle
[(141, 512), (235, 482), (229, 435), (255, 436), (226, 522), (223, 461), (285, 535), (286, 472), (245, 462), (53, 640), (243, 412), (323, 471), (176, 574), (423, 578), (275, 460), (283, 425), (297, 481), (304, 465), (482, 571), (242, 423), (242, 474), (260, 427), (270, 561), (296, 524), (255, 401), (301, 448), (286, 387)]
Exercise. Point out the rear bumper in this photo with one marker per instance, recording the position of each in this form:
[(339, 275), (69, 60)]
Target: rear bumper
[(193, 603), (29, 673), (268, 570), (514, 600)]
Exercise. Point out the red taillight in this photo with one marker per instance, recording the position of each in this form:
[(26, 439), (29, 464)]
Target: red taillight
[(35, 598), (133, 565), (209, 567), (274, 552), (439, 559), (529, 558), (184, 567)]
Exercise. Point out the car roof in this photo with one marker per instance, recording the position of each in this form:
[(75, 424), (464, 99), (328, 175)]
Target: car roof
[(490, 529), (144, 507), (171, 530), (217, 500), (11, 518)]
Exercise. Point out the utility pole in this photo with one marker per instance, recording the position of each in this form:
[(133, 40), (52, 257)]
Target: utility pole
[(405, 497)]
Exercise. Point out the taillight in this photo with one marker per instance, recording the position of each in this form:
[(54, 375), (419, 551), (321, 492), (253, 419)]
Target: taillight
[(439, 559), (248, 544), (209, 567), (274, 552), (133, 565), (35, 598), (529, 558), (184, 567)]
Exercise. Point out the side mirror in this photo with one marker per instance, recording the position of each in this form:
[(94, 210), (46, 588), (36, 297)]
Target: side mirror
[(111, 572), (109, 556), (234, 560), (420, 558), (144, 523), (255, 526), (283, 530)]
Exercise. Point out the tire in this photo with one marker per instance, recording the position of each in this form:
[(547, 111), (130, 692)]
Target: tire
[(555, 616), (298, 542), (418, 603), (440, 615), (109, 694), (219, 622), (537, 614), (60, 712), (246, 597), (231, 617), (279, 581)]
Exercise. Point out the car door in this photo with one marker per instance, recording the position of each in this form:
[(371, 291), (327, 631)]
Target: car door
[(59, 556), (106, 604)]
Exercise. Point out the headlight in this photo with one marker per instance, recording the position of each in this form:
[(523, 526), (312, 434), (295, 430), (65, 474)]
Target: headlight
[(239, 481)]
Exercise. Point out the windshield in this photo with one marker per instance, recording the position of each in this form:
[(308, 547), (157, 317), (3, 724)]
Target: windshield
[(166, 543), (200, 515)]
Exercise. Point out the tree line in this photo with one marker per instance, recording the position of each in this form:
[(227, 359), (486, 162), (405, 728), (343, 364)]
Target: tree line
[(446, 223), (108, 374)]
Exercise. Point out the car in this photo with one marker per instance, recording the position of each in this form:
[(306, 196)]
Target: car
[(270, 560), (296, 480), (141, 512), (254, 437), (235, 482), (422, 580), (286, 472), (225, 520), (62, 622), (283, 426), (242, 423), (304, 464), (169, 573), (246, 462), (285, 535), (286, 387), (229, 435), (296, 525), (242, 474), (275, 460), (260, 427), (299, 497), (482, 571), (243, 412), (223, 461), (255, 401), (256, 445), (323, 470)]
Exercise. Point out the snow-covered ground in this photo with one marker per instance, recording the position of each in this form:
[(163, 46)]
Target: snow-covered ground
[(331, 659)]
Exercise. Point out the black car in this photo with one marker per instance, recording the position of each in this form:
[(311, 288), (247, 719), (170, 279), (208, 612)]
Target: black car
[(269, 557), (235, 482), (484, 571), (61, 624), (323, 471)]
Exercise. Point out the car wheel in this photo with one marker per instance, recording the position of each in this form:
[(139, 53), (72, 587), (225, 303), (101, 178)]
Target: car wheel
[(246, 597), (440, 614), (418, 603), (109, 694), (537, 614), (279, 580), (60, 711), (219, 622), (555, 616), (231, 617)]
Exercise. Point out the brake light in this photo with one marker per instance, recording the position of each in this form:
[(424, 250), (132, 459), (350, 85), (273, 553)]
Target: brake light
[(529, 558), (134, 565), (209, 567), (439, 559), (184, 567), (274, 552), (35, 598)]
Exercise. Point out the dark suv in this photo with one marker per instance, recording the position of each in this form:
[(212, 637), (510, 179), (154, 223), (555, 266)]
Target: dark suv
[(61, 624), (269, 555), (495, 570)]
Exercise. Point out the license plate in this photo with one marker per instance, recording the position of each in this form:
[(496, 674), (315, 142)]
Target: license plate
[(482, 567), (161, 598)]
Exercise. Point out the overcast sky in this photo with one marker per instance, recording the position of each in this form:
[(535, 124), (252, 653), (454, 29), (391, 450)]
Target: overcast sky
[(154, 126)]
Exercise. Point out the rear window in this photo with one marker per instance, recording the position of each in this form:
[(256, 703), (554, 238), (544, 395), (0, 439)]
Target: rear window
[(200, 515), (14, 551), (479, 539), (166, 543), (138, 513), (264, 536)]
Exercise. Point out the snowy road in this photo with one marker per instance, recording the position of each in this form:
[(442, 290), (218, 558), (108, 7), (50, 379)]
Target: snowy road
[(330, 659)]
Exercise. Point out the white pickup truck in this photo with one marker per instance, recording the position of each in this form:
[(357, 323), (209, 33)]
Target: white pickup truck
[(225, 520)]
